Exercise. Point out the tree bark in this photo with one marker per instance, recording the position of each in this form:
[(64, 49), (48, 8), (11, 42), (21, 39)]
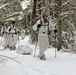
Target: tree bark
[(33, 19), (59, 23), (34, 11)]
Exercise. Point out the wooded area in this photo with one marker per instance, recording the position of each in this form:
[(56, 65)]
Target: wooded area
[(62, 12)]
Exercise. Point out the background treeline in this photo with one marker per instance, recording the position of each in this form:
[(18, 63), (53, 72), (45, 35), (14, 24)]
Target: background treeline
[(62, 13)]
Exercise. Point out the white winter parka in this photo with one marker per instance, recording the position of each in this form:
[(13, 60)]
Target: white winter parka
[(44, 27)]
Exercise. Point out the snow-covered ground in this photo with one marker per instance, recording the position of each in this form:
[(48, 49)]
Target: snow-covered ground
[(18, 64)]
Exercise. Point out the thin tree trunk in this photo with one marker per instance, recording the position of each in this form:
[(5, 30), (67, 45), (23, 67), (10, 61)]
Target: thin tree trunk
[(58, 16), (59, 25), (33, 19), (59, 33), (34, 11)]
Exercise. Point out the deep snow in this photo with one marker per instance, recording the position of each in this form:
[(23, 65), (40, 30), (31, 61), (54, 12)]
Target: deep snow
[(18, 64)]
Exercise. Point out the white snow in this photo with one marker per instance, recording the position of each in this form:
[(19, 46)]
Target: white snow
[(3, 6), (17, 64), (25, 4)]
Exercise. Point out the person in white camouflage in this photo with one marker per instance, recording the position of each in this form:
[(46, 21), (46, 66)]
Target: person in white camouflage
[(5, 35), (43, 26), (13, 32)]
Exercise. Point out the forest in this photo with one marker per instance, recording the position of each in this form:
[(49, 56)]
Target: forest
[(61, 12)]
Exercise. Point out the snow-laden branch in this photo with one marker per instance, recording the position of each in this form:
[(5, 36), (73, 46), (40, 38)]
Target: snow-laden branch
[(40, 8), (14, 14), (3, 5), (25, 4), (65, 4), (39, 2), (66, 13)]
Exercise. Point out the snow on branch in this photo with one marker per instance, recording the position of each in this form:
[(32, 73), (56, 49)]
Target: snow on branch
[(25, 4), (3, 5), (40, 8), (66, 13), (39, 2), (65, 4), (14, 14)]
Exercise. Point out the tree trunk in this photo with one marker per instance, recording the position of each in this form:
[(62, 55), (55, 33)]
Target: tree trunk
[(28, 23), (25, 21), (34, 11), (58, 16), (59, 34), (33, 19)]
